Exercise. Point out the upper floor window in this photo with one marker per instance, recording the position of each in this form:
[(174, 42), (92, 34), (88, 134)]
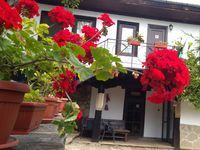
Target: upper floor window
[(125, 30), (54, 27), (81, 21)]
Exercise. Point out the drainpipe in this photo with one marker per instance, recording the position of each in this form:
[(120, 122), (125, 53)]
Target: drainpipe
[(98, 111)]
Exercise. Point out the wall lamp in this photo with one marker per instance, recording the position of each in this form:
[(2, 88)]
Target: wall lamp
[(171, 27)]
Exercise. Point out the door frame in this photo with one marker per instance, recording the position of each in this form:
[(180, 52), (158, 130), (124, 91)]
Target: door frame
[(143, 96), (118, 50), (154, 26)]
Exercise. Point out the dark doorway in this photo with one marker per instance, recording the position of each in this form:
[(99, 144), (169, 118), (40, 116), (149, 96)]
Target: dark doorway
[(134, 110), (167, 122), (156, 34)]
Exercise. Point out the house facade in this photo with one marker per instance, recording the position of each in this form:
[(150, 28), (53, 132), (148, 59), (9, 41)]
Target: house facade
[(123, 97)]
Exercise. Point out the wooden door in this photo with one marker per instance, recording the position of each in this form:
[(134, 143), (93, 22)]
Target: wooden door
[(155, 34)]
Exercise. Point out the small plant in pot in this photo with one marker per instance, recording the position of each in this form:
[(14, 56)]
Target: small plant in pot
[(160, 45), (135, 41), (31, 113)]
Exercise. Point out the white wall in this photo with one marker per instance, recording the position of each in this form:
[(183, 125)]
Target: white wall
[(153, 119), (115, 105), (136, 62), (189, 115)]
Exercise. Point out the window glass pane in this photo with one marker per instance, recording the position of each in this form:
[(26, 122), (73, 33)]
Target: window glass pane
[(80, 25), (126, 32)]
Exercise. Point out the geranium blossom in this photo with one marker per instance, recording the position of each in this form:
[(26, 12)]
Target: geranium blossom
[(62, 16), (64, 36), (9, 17), (166, 74), (91, 33), (65, 83), (107, 21), (88, 55), (79, 116), (28, 8)]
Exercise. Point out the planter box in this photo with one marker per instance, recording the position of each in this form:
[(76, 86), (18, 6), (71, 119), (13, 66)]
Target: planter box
[(51, 110), (62, 104), (58, 103), (11, 96), (29, 118), (160, 45)]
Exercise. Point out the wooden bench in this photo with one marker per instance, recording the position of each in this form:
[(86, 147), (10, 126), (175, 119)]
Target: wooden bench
[(121, 133), (114, 129)]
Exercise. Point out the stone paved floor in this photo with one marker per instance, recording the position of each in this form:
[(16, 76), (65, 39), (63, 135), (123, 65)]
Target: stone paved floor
[(43, 138), (46, 138), (131, 144)]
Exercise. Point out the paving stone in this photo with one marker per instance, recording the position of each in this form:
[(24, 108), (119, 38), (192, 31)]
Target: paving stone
[(43, 138)]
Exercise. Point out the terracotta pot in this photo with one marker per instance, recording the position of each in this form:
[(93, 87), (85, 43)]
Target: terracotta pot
[(58, 103), (51, 109), (160, 45), (62, 104), (29, 118), (134, 43), (11, 96)]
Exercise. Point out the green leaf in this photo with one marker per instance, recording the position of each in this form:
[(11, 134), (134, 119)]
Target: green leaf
[(83, 72), (103, 75)]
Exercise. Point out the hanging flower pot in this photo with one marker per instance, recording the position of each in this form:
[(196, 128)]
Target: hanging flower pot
[(134, 43), (161, 45), (11, 96)]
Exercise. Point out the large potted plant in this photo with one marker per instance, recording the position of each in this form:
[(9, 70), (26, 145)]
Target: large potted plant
[(30, 114), (22, 54)]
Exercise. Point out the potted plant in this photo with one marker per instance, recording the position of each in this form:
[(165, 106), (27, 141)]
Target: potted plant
[(52, 108), (22, 54), (62, 104), (30, 114), (160, 45), (135, 41)]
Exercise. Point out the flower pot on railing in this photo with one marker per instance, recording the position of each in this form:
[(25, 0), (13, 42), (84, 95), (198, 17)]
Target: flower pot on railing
[(11, 96), (29, 118), (160, 45), (134, 43)]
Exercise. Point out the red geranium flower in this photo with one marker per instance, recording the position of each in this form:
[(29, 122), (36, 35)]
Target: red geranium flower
[(28, 8), (88, 55), (107, 21), (166, 74), (91, 33), (65, 83), (62, 16), (79, 116), (157, 74), (9, 17), (64, 36)]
